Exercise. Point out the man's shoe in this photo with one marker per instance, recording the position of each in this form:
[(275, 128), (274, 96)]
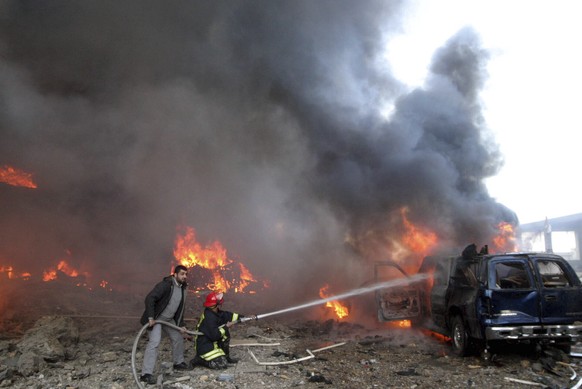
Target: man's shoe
[(181, 366), (231, 360), (148, 379)]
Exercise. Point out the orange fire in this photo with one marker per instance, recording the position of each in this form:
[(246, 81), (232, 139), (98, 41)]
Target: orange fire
[(246, 278), (398, 324), (49, 275), (8, 270), (10, 273), (404, 324), (189, 252), (340, 310), (16, 177), (505, 240), (52, 273), (417, 239), (63, 267)]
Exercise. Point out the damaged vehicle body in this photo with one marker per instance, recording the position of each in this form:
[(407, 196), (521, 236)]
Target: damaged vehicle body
[(480, 299), (402, 303)]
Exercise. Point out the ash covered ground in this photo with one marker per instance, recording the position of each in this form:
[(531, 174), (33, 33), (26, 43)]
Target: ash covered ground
[(76, 349)]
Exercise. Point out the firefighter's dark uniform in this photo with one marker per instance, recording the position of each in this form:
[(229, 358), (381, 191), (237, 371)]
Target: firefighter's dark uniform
[(212, 348)]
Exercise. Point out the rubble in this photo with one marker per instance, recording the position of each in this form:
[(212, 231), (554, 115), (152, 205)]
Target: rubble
[(81, 353)]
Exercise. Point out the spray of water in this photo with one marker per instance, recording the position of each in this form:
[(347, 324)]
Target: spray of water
[(354, 292)]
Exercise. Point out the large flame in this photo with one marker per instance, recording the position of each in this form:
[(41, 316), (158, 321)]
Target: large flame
[(505, 240), (340, 310), (418, 240), (16, 177), (189, 252)]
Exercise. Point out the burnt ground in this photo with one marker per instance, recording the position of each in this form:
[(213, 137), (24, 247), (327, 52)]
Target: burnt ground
[(71, 338), (85, 352)]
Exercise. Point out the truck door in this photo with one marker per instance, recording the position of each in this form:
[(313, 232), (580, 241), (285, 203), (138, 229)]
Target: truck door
[(402, 303), (512, 292), (561, 300), (439, 291)]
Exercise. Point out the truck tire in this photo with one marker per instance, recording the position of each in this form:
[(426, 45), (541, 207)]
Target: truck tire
[(460, 337)]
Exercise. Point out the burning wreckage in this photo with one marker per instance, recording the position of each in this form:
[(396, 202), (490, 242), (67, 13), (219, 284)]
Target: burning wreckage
[(477, 300), (480, 299)]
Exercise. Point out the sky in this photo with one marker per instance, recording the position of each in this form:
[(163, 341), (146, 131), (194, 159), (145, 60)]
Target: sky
[(530, 99)]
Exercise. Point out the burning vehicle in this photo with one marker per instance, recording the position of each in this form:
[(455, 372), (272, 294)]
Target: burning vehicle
[(401, 303), (480, 299)]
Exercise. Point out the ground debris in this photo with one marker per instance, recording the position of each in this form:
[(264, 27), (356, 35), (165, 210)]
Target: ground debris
[(371, 357), (313, 377)]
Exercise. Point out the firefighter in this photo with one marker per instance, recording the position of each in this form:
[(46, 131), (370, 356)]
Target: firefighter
[(212, 348)]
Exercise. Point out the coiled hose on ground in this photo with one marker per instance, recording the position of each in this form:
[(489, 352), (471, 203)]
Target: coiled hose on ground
[(135, 343)]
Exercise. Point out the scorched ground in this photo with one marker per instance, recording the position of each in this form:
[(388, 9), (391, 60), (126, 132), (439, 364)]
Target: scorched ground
[(94, 352)]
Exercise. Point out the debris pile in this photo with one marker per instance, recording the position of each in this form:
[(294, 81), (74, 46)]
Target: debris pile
[(75, 353)]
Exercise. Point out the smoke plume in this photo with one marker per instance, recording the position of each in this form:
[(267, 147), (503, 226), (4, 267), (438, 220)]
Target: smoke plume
[(260, 124)]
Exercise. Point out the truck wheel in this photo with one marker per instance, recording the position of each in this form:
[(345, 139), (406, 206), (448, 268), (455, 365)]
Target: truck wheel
[(459, 336)]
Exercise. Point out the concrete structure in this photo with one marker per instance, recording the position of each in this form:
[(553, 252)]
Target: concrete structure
[(561, 235)]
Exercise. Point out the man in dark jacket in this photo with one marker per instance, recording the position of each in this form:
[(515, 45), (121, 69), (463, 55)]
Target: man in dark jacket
[(213, 347), (165, 303)]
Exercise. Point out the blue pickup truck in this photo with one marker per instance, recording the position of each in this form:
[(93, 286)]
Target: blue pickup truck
[(480, 299)]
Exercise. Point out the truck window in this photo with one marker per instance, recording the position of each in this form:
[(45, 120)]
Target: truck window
[(511, 275), (553, 274)]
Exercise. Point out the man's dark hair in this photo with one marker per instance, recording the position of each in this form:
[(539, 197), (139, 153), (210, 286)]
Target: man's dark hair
[(178, 268)]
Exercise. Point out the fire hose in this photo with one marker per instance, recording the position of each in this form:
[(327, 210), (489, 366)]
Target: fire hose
[(354, 292), (145, 327)]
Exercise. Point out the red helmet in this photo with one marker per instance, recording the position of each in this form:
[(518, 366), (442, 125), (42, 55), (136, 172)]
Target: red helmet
[(213, 299)]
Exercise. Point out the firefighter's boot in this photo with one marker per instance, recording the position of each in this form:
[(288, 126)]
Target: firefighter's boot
[(226, 348)]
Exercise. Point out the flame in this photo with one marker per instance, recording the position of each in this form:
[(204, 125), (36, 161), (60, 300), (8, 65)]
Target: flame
[(404, 324), (397, 324), (341, 311), (436, 335), (245, 277), (419, 240), (49, 275), (9, 270), (16, 177), (10, 273), (63, 267), (52, 274), (189, 252), (505, 240)]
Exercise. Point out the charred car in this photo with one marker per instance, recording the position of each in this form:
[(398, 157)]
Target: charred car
[(480, 299)]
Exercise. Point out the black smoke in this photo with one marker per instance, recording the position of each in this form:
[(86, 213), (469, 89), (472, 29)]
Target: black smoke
[(260, 124)]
